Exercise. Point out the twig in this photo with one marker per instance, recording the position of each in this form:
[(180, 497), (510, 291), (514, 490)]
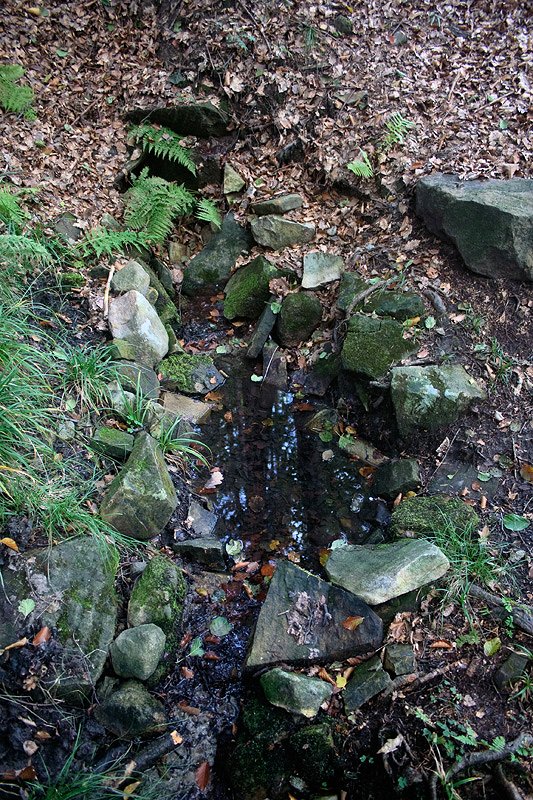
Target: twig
[(151, 754), (436, 673), (85, 110), (496, 100), (106, 291), (269, 364), (363, 295), (522, 614), (400, 682), (261, 31)]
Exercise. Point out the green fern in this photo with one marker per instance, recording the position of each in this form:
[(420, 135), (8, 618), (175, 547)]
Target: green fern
[(397, 127), (163, 143), (361, 166), (153, 204), (18, 250), (14, 97), (207, 211), (11, 214), (102, 242)]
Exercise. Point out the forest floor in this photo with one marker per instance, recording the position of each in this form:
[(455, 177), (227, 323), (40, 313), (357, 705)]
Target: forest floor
[(305, 99)]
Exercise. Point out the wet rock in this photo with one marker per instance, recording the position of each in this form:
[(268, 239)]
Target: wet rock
[(321, 268), (363, 451), (205, 550), (277, 232), (396, 477), (188, 119), (431, 397), (296, 693), (262, 330), (510, 671), (319, 376), (233, 183), (299, 316), (274, 367), (131, 711), (72, 585), (112, 442), (399, 659), (398, 305), (377, 573), (301, 622), (247, 291), (136, 378), (158, 595), (277, 205), (132, 318), (141, 498), (350, 286), (451, 477), (192, 374), (212, 266), (194, 411), (200, 520), (131, 277), (422, 516), (372, 346), (368, 680), (490, 222), (136, 652)]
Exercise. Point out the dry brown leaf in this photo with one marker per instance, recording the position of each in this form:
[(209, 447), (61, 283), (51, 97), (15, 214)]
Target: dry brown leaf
[(203, 773)]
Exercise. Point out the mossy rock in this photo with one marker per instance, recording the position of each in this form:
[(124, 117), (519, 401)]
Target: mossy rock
[(247, 290), (316, 758), (190, 373), (372, 346), (349, 287), (398, 305), (299, 316), (158, 596), (424, 515)]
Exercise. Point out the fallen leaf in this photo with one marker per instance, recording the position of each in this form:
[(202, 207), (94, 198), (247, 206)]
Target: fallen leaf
[(187, 709), (30, 747), (130, 788), (351, 623), (186, 673), (42, 636), (203, 774), (215, 480), (176, 737), (19, 643), (526, 471), (267, 570), (391, 745), (11, 543), (341, 681), (441, 644)]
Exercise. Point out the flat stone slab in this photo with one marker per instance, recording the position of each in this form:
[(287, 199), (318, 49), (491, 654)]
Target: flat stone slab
[(305, 620), (431, 397), (277, 232), (380, 572), (140, 500), (395, 477), (321, 268), (194, 411), (490, 222), (133, 319), (296, 693), (368, 680), (277, 205), (205, 550)]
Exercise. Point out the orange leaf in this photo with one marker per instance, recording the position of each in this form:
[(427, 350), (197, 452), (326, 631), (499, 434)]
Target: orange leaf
[(192, 710), (324, 555), (19, 643), (176, 737), (526, 471), (351, 623), (203, 773), (267, 570), (441, 644), (42, 636), (11, 543), (366, 472)]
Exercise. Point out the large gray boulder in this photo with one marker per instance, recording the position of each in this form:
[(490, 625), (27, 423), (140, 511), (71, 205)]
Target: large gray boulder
[(133, 319), (141, 498), (303, 621), (430, 397), (380, 572), (158, 595), (277, 232), (212, 266), (72, 586), (490, 222)]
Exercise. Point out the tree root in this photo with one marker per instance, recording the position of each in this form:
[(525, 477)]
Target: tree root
[(522, 615), (481, 757), (510, 790)]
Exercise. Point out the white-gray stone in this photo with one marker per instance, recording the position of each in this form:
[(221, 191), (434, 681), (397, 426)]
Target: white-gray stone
[(321, 268), (277, 232), (136, 652), (131, 276), (132, 318), (187, 408)]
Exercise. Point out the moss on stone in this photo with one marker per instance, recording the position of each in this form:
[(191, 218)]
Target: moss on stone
[(180, 369), (372, 346), (424, 515), (158, 596), (399, 305), (299, 316), (315, 751), (248, 290)]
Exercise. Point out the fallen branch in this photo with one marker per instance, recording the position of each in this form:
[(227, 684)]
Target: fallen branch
[(522, 615), (481, 757), (151, 754)]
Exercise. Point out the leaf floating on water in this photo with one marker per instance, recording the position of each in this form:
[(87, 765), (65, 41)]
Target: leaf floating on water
[(203, 773), (176, 737), (256, 378), (351, 623), (220, 626), (234, 547), (215, 480)]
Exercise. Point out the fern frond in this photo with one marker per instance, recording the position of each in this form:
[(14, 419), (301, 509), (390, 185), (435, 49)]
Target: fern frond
[(11, 214), (397, 126), (102, 242), (18, 253), (153, 204), (163, 143), (361, 166), (14, 97), (207, 211)]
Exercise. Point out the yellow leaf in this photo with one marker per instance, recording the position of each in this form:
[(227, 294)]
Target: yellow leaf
[(130, 788), (351, 623), (410, 323), (11, 543), (274, 544), (341, 681)]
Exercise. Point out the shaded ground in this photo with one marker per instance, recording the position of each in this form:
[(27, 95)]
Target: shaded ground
[(462, 74)]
